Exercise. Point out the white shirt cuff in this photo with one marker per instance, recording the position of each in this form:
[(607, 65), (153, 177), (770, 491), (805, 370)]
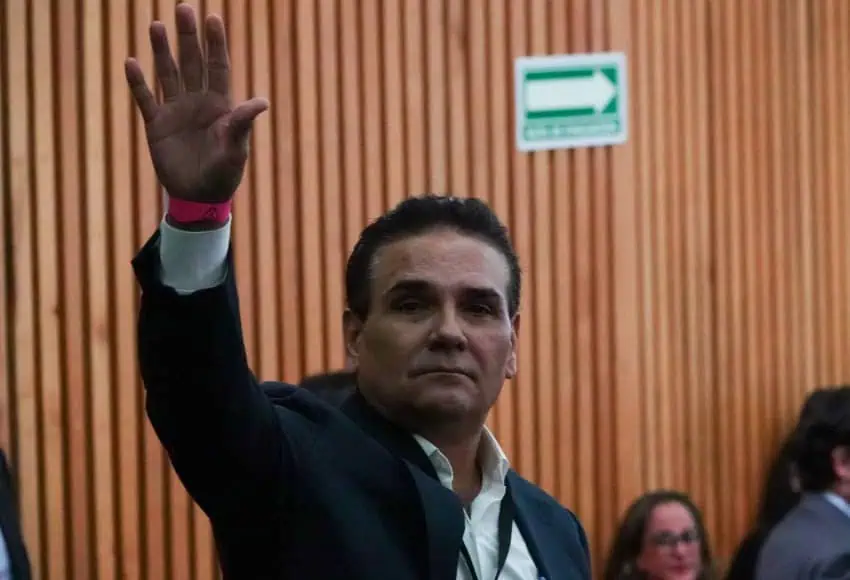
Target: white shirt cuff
[(193, 260)]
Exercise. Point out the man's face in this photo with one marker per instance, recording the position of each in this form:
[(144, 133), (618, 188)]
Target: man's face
[(438, 342), (841, 467)]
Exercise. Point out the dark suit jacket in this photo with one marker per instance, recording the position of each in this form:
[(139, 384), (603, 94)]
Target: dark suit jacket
[(295, 487), (811, 543), (10, 524)]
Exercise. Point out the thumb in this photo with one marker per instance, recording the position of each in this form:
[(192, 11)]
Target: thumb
[(242, 119)]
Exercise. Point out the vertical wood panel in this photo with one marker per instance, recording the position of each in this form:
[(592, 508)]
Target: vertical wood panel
[(123, 330), (24, 351), (682, 292), (47, 255)]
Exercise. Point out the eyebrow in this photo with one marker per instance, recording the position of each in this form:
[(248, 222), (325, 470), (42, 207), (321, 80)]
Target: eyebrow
[(411, 286), (422, 287)]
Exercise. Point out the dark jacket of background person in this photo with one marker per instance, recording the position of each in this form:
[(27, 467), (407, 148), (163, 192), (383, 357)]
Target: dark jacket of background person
[(333, 388), (10, 527), (813, 541), (294, 487)]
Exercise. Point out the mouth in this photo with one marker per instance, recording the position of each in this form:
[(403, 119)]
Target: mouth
[(441, 371)]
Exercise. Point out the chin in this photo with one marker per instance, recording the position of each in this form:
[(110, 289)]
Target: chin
[(446, 404), (456, 396)]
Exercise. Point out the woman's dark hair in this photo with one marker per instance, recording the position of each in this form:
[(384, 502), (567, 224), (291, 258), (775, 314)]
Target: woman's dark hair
[(621, 563), (778, 497), (824, 426)]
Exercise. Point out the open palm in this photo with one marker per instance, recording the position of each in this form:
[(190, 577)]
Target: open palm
[(198, 141)]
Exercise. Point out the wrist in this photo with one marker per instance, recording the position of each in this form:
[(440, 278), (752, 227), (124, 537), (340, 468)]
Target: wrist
[(201, 226), (196, 215)]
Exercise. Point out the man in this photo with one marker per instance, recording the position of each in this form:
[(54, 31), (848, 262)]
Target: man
[(812, 542), (402, 481)]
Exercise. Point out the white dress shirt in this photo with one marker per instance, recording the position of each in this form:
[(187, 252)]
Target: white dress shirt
[(196, 260), (838, 501), (482, 520), (5, 564)]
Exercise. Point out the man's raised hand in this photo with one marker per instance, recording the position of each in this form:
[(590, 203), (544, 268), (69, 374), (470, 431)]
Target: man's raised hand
[(198, 140)]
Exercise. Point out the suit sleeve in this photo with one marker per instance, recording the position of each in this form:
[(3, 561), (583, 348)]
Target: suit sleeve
[(837, 568), (232, 449)]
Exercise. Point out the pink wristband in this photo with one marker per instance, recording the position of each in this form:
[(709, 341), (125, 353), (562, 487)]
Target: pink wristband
[(185, 212)]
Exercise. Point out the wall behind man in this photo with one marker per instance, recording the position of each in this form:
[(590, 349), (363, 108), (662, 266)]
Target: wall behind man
[(684, 290)]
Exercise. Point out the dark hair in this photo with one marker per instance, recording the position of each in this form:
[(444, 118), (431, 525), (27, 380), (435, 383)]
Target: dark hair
[(824, 426), (621, 563), (815, 401), (778, 495), (417, 215)]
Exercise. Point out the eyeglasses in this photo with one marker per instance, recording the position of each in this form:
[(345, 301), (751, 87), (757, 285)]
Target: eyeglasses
[(668, 540)]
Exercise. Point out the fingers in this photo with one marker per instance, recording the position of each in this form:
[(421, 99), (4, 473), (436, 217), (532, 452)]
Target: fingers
[(191, 59), (218, 65), (242, 119), (166, 68), (142, 94)]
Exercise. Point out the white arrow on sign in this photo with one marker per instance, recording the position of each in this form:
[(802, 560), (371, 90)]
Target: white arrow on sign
[(594, 91)]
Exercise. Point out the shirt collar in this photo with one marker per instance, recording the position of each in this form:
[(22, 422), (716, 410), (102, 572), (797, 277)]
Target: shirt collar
[(494, 462), (838, 501)]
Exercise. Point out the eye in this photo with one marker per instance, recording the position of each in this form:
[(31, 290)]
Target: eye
[(408, 305), (664, 539), (479, 309)]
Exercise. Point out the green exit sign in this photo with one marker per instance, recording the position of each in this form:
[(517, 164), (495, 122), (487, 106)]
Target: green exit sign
[(568, 101)]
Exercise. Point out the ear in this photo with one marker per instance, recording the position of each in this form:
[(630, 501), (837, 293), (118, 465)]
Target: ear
[(841, 463), (352, 328), (511, 366)]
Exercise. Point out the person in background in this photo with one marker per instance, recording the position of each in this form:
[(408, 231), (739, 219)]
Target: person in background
[(813, 540), (333, 387), (14, 561), (661, 537), (780, 495), (404, 480)]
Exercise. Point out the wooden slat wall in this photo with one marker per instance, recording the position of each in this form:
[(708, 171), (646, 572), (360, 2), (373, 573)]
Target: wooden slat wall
[(684, 291)]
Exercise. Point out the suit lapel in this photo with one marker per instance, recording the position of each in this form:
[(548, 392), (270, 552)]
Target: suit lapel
[(535, 523), (440, 508), (444, 521)]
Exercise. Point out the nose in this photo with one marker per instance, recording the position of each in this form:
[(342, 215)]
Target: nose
[(447, 332), (680, 548)]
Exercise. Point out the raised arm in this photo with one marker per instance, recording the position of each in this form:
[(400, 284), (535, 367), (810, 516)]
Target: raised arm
[(231, 448)]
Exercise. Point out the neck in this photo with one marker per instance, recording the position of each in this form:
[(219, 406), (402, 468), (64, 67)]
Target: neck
[(841, 490), (462, 454)]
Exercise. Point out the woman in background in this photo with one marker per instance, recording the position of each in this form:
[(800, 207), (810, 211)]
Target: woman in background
[(661, 537)]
